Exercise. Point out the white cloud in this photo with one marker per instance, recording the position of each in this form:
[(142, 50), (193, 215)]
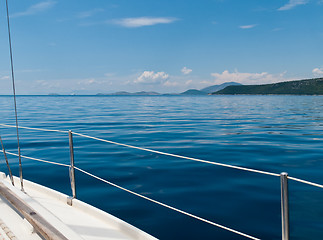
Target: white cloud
[(4, 77), (248, 26), (318, 72), (143, 21), (188, 82), (178, 83), (247, 78), (30, 70), (90, 13), (89, 81), (186, 70), (150, 77), (292, 3), (109, 75), (48, 85), (37, 8), (171, 84), (66, 86)]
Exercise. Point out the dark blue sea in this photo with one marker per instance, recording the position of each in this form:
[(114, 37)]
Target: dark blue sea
[(270, 133)]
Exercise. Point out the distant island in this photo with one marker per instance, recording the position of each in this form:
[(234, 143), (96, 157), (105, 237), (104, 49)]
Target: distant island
[(312, 86), (194, 92), (123, 93), (215, 88), (301, 87), (204, 91), (210, 89)]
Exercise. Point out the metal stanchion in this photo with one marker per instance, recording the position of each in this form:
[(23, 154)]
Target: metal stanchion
[(72, 170), (284, 205)]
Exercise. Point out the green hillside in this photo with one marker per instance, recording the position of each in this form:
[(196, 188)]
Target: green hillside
[(301, 87)]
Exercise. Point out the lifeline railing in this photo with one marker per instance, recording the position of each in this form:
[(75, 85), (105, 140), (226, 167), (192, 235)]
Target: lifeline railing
[(283, 179)]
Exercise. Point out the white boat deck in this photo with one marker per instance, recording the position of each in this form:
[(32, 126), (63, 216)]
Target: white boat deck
[(79, 221)]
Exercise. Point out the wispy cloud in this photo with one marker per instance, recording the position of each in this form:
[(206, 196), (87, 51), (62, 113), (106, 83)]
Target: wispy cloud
[(109, 75), (247, 78), (89, 13), (30, 70), (34, 9), (318, 72), (248, 26), (292, 3), (143, 21), (66, 86), (277, 29), (186, 70), (89, 81), (150, 77), (4, 77), (181, 84)]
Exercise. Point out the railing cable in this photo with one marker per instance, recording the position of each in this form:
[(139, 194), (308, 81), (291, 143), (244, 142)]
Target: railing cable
[(142, 196), (36, 129), (306, 182), (157, 202), (158, 152), (37, 159), (167, 206), (179, 156)]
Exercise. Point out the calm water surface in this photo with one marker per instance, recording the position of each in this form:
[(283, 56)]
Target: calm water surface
[(271, 133)]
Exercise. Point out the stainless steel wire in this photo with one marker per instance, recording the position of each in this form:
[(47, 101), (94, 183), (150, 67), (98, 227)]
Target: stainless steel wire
[(142, 196), (306, 182), (167, 206), (179, 156), (37, 159), (14, 96), (169, 154), (36, 129)]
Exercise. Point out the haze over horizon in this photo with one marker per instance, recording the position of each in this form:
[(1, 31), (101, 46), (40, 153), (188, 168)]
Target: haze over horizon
[(87, 47)]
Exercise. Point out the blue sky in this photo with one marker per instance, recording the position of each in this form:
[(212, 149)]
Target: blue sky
[(87, 47)]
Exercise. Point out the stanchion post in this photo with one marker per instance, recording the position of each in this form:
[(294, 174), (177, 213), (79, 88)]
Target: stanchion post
[(284, 205), (72, 170)]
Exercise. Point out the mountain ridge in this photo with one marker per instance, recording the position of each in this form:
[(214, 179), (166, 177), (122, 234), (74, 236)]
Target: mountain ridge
[(312, 86), (218, 87)]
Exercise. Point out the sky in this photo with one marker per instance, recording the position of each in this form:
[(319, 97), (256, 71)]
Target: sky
[(168, 46)]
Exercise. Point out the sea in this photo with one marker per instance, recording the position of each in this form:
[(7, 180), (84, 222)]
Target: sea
[(264, 132)]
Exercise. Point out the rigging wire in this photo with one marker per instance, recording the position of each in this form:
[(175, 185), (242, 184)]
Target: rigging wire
[(179, 156), (37, 159), (168, 206), (142, 196), (14, 96), (7, 162), (36, 129)]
